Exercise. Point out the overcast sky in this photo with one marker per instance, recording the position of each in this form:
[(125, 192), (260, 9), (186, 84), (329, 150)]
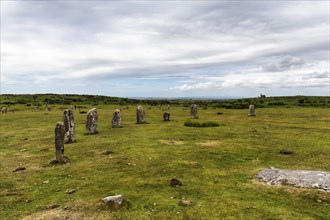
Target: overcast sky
[(166, 48)]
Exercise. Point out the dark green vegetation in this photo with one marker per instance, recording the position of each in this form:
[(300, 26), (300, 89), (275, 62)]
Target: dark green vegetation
[(216, 165), (201, 124), (50, 99)]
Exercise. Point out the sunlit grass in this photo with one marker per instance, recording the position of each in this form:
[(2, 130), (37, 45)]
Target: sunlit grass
[(217, 165)]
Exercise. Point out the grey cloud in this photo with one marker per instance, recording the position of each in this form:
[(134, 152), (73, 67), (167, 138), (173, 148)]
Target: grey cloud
[(316, 75), (284, 63), (103, 40)]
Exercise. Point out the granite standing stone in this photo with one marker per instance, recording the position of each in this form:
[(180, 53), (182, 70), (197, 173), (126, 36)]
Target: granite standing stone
[(59, 142), (140, 115), (4, 110), (194, 111), (252, 111), (91, 121), (69, 126), (116, 119), (166, 116)]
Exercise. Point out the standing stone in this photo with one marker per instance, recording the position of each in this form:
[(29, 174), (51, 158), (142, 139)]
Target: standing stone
[(159, 107), (59, 142), (49, 108), (4, 110), (116, 119), (168, 107), (140, 115), (149, 106), (91, 121), (69, 126), (252, 111), (193, 111), (166, 116)]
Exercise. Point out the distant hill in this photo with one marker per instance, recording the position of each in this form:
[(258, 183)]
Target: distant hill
[(215, 102)]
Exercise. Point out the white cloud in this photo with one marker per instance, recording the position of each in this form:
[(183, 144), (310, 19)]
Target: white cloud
[(208, 45)]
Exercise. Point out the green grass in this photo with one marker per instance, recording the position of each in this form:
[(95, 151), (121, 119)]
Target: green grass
[(201, 124), (217, 165)]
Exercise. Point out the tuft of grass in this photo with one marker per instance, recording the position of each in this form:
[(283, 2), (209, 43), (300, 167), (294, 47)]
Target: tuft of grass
[(201, 124)]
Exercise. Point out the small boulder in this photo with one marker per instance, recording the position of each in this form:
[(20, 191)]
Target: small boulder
[(186, 202), (283, 151), (118, 199), (175, 183), (19, 169), (107, 152)]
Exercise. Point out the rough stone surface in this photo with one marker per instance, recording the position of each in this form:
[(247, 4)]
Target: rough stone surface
[(186, 202), (69, 126), (116, 119), (48, 108), (175, 182), (59, 142), (194, 111), (166, 116), (4, 110), (283, 151), (296, 178), (252, 110), (140, 115), (118, 199), (19, 169), (91, 121)]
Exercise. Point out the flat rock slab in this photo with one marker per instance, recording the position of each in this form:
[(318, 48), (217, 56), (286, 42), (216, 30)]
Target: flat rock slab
[(296, 178)]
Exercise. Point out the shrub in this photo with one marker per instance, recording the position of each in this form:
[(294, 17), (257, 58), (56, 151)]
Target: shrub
[(201, 124)]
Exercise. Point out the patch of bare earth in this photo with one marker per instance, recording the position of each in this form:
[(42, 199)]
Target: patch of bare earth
[(172, 142), (210, 144), (60, 214)]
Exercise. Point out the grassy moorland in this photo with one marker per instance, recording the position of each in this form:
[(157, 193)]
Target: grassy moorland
[(217, 165)]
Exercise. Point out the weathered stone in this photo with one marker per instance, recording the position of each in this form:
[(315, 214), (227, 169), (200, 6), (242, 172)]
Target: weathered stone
[(59, 142), (19, 169), (107, 152), (186, 202), (53, 206), (61, 108), (296, 178), (149, 106), (283, 151), (166, 116), (116, 119), (4, 110), (70, 191), (168, 107), (175, 183), (140, 115), (91, 121), (69, 126), (252, 111), (194, 111), (48, 108), (118, 199)]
